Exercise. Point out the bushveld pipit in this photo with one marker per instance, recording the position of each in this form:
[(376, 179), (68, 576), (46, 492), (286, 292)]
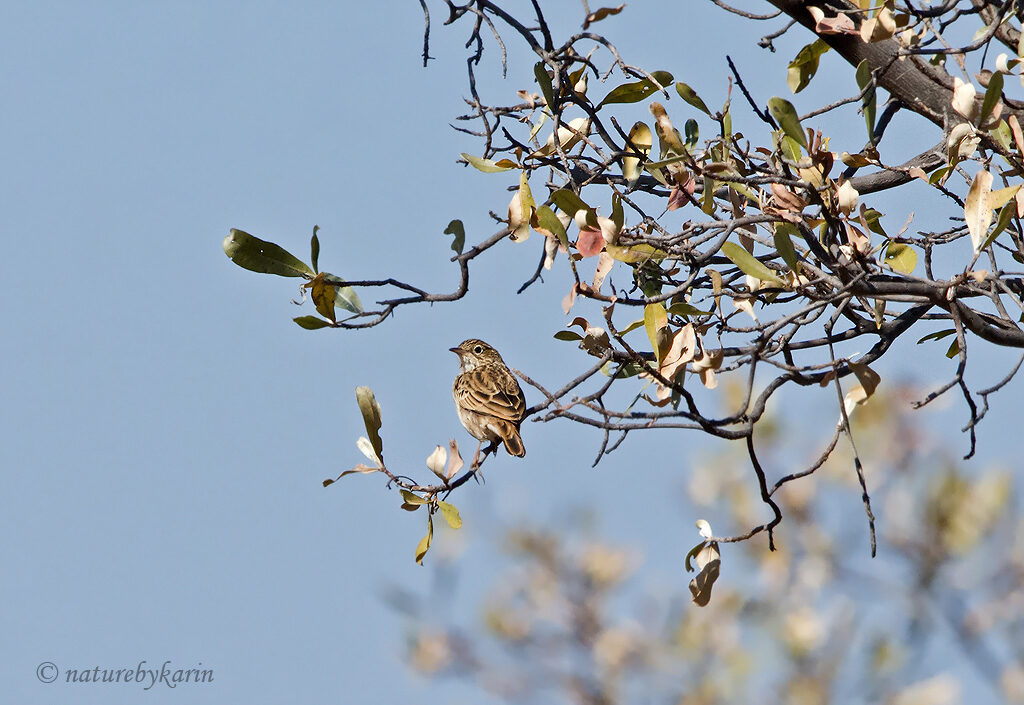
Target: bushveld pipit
[(488, 398)]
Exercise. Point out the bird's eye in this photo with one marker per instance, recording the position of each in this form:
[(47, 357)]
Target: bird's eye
[(478, 349)]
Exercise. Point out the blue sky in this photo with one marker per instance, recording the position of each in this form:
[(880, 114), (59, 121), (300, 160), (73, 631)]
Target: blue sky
[(167, 426)]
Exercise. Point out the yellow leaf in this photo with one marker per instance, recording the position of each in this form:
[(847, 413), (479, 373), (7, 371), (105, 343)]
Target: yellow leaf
[(977, 210), (424, 544)]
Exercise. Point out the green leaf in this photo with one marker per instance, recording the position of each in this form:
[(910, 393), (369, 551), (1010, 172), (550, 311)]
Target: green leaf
[(874, 220), (655, 318), (549, 224), (632, 326), (450, 514), (544, 81), (1006, 214), (1002, 134), (456, 228), (992, 95), (370, 410), (637, 90), (749, 264), (784, 233), (621, 370), (640, 137), (692, 133), (249, 252), (805, 65), (311, 322), (424, 545), (681, 308), (691, 97), (635, 253), (489, 166), (344, 296), (900, 257), (953, 350), (568, 202), (617, 216), (937, 335), (411, 498), (568, 335), (314, 248), (868, 102), (785, 114), (790, 148)]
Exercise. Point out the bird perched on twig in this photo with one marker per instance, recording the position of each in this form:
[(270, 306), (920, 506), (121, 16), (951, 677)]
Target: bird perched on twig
[(488, 398)]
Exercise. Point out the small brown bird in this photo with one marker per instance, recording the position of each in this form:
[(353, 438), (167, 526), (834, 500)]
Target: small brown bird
[(488, 398)]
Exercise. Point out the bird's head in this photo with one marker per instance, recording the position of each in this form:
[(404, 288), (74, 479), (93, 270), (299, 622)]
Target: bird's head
[(474, 353)]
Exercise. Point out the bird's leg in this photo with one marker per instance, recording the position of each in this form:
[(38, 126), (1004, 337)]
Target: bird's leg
[(475, 465)]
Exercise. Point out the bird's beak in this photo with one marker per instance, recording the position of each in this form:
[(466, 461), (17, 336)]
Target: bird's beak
[(456, 351)]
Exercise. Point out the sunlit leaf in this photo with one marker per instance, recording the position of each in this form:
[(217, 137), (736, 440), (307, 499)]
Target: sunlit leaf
[(600, 13), (709, 562), (455, 461), (344, 296), (424, 544), (620, 370), (358, 469), (749, 264), (655, 318), (901, 257), (436, 461), (450, 514), (640, 136), (249, 252), (411, 498), (488, 166), (635, 253), (636, 91), (785, 114), (1006, 214), (977, 210), (803, 67), (323, 297), (366, 448), (681, 308), (370, 410)]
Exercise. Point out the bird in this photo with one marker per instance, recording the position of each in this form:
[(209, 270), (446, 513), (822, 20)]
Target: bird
[(488, 399)]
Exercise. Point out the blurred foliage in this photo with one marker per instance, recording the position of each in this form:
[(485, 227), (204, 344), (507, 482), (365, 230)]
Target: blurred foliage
[(937, 618)]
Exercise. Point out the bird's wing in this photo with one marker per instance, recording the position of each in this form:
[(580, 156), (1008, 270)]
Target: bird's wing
[(497, 395)]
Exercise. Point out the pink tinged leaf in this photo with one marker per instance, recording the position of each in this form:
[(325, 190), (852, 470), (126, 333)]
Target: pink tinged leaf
[(569, 299), (840, 24), (676, 199), (455, 462), (590, 242)]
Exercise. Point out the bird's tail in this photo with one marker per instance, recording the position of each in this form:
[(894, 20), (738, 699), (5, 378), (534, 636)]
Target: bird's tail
[(513, 442)]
